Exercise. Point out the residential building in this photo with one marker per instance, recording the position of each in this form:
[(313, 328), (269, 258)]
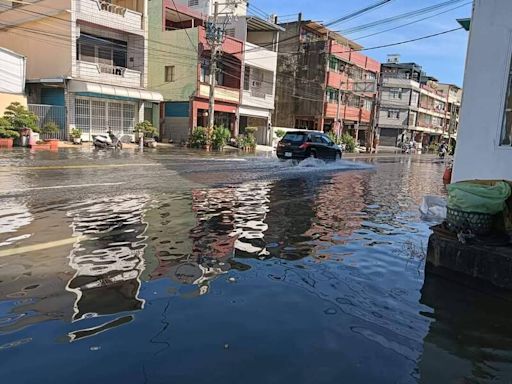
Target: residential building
[(453, 95), (244, 94), (484, 140), (411, 105), (323, 81), (12, 81), (87, 58)]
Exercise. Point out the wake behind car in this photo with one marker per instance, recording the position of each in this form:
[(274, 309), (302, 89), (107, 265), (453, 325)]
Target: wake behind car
[(299, 145)]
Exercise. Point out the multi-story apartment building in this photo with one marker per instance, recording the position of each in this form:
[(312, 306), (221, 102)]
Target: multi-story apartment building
[(180, 66), (453, 95), (322, 80), (411, 105), (87, 56)]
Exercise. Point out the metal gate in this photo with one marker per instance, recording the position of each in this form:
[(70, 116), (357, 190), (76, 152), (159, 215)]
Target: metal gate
[(96, 116), (51, 113)]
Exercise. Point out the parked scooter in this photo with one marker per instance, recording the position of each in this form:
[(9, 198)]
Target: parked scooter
[(108, 141)]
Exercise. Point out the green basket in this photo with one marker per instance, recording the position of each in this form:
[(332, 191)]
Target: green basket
[(475, 222)]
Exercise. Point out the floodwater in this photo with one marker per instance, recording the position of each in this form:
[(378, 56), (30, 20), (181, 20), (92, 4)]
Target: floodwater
[(175, 266)]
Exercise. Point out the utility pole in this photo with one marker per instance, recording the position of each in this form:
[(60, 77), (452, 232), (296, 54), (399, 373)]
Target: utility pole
[(374, 117), (215, 41)]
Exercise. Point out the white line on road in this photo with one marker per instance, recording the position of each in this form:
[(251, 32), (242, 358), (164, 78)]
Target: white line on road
[(62, 187)]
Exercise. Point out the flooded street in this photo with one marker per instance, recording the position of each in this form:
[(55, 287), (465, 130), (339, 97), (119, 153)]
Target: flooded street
[(176, 266)]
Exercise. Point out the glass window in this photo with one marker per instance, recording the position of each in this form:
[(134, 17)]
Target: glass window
[(506, 133), (247, 78), (295, 137), (395, 93), (326, 140), (170, 73), (393, 113), (333, 63), (87, 53), (83, 115)]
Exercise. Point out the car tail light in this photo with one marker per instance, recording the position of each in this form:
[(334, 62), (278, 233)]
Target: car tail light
[(304, 146)]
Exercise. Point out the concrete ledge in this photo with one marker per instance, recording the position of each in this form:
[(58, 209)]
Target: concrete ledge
[(475, 265)]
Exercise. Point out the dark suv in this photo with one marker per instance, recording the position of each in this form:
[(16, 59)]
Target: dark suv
[(300, 145)]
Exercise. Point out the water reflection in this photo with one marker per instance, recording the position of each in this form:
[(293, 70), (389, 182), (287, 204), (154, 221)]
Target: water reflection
[(108, 256), (470, 337)]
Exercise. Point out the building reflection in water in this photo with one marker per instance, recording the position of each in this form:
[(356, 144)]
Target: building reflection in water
[(470, 337), (108, 257)]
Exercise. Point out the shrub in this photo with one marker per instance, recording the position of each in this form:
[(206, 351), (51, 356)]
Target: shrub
[(50, 128), (199, 137), (20, 117), (147, 129), (220, 137), (280, 133), (76, 133), (6, 131), (349, 141), (336, 139)]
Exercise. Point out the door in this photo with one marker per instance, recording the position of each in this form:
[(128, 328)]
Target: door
[(330, 150), (319, 146)]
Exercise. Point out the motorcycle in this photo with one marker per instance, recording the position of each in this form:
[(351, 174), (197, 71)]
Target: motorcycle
[(108, 141)]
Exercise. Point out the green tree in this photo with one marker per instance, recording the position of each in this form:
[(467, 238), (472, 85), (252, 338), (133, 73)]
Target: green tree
[(20, 117)]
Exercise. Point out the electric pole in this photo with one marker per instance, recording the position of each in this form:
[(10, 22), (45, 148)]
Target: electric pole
[(215, 40)]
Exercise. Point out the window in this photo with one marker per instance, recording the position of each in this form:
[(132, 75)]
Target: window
[(193, 3), (326, 140), (506, 134), (247, 78), (393, 113), (170, 73), (370, 76), (367, 104), (395, 93), (333, 64)]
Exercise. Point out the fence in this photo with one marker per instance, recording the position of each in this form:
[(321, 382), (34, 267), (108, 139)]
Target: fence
[(49, 113)]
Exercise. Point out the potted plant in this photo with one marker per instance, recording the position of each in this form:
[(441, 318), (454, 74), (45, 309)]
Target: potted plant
[(76, 136), (147, 131), (50, 129), (199, 138), (250, 139), (220, 137), (7, 135)]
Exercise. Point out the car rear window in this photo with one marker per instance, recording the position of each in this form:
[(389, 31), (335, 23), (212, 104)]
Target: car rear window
[(295, 137)]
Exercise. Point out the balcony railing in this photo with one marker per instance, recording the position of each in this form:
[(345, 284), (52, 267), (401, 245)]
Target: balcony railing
[(113, 8), (110, 15), (108, 74)]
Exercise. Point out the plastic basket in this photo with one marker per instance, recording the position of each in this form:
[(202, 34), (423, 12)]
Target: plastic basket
[(475, 222)]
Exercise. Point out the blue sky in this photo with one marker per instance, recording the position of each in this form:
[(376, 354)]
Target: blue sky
[(442, 56)]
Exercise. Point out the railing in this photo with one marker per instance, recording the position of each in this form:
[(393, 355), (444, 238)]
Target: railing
[(113, 8), (51, 113), (111, 69), (108, 74)]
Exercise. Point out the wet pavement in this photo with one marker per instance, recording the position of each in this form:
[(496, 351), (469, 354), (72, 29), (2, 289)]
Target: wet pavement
[(186, 267)]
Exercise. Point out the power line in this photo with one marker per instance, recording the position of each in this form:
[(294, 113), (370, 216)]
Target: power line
[(405, 15), (413, 22), (358, 13)]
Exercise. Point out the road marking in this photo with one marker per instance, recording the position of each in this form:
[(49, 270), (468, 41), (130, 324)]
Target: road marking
[(61, 187), (43, 167), (40, 247)]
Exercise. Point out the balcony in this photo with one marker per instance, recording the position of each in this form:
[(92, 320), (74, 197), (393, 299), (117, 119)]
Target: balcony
[(338, 80), (221, 93), (111, 15), (399, 82), (108, 74)]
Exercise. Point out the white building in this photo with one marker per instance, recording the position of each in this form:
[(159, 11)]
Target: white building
[(85, 58), (12, 80), (484, 142)]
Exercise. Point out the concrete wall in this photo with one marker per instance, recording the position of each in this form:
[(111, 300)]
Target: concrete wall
[(166, 48), (47, 45), (401, 122), (478, 154), (8, 98)]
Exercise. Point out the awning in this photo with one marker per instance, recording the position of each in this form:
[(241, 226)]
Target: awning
[(254, 112), (113, 90), (465, 23)]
